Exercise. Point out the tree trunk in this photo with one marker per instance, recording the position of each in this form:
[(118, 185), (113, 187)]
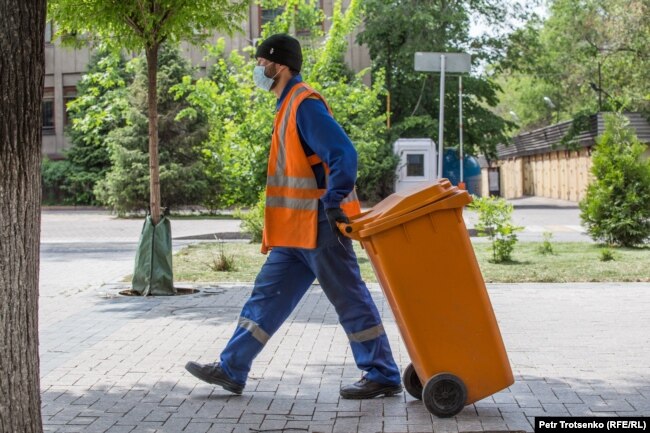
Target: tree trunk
[(152, 99), (22, 33)]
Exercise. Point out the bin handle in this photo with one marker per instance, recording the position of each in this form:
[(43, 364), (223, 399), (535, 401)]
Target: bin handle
[(352, 228), (344, 228)]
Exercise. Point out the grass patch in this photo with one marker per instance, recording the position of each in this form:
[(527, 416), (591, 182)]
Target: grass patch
[(570, 262), (195, 263), (223, 261)]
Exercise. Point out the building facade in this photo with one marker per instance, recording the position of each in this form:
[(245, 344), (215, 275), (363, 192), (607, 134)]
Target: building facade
[(65, 66)]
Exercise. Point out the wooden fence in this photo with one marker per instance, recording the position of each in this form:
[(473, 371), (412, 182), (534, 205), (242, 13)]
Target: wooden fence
[(560, 174), (534, 165)]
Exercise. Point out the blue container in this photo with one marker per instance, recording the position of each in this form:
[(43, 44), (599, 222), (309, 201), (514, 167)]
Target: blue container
[(471, 170)]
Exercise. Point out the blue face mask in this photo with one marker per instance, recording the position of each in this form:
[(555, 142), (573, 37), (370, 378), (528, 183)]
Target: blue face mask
[(261, 80)]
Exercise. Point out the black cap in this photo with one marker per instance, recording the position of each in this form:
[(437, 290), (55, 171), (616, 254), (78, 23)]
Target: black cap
[(283, 49)]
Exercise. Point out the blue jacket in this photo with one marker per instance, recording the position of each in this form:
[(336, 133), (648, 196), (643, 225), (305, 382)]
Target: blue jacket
[(322, 135)]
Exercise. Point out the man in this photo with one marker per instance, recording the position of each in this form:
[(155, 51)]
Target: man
[(310, 187)]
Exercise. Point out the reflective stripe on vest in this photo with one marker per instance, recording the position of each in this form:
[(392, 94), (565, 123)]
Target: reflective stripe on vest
[(292, 182), (293, 203), (281, 163), (350, 197)]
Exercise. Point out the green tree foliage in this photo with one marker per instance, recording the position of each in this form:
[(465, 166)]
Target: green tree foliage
[(560, 58), (357, 107), (395, 30), (360, 112), (182, 168), (616, 209), (240, 119), (100, 107), (145, 26), (241, 116)]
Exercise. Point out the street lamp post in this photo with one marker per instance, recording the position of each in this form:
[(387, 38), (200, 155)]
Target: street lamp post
[(460, 126), (551, 105), (455, 63), (441, 113), (514, 116)]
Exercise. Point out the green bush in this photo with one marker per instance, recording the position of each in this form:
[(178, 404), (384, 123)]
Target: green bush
[(253, 220), (223, 262), (546, 248), (616, 208), (606, 255), (53, 178), (495, 221)]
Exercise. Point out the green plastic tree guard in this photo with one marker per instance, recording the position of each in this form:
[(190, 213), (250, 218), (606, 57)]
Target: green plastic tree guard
[(153, 273)]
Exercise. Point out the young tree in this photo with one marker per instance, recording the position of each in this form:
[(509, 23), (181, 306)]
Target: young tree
[(144, 25), (182, 167), (22, 66), (616, 208)]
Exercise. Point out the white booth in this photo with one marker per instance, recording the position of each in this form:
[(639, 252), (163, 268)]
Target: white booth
[(418, 161)]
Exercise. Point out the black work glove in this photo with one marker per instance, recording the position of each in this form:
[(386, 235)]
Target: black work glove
[(336, 215)]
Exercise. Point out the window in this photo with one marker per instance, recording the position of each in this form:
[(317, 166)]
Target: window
[(415, 165), (69, 94), (268, 15), (48, 111), (48, 32), (304, 18)]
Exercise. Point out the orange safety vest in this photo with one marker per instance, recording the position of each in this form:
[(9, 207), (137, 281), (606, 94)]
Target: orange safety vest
[(292, 193)]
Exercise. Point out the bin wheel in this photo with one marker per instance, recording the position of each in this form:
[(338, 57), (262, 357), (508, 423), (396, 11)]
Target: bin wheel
[(444, 395), (412, 382)]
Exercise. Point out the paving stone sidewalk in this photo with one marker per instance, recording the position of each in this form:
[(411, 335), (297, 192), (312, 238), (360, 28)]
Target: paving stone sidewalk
[(115, 364)]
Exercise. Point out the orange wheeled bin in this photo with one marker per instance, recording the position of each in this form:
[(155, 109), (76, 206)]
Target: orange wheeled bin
[(421, 253)]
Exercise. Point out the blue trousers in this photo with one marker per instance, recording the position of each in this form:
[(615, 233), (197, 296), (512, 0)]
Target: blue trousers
[(283, 280)]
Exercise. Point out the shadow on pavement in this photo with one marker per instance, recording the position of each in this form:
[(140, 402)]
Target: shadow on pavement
[(214, 304)]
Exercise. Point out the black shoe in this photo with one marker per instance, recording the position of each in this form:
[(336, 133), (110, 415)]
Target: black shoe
[(368, 389), (214, 374)]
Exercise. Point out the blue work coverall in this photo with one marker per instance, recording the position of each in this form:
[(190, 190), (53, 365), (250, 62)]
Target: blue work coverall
[(289, 272)]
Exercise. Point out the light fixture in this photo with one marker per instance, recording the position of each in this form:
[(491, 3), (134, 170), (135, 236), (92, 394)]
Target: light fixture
[(549, 102)]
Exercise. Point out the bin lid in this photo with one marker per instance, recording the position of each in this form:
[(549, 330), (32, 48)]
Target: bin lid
[(409, 200)]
